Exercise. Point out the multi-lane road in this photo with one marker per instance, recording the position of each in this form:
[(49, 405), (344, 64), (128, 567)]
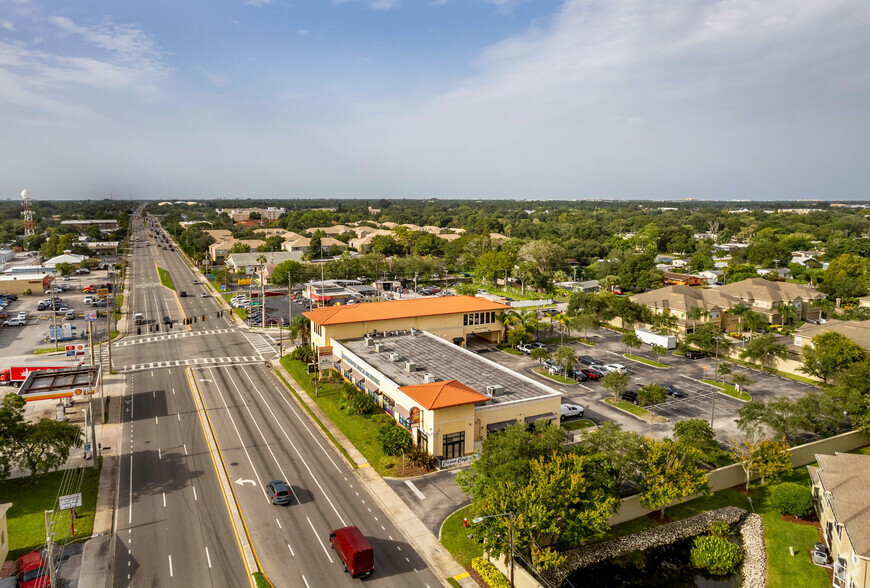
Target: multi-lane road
[(173, 525)]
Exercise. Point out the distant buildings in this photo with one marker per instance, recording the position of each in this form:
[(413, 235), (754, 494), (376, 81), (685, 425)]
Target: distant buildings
[(240, 214)]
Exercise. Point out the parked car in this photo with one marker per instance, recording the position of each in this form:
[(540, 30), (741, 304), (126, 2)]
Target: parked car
[(89, 300), (203, 294), (616, 367), (82, 271), (22, 315), (570, 411), (552, 366), (279, 492), (629, 396), (812, 322), (592, 374), (354, 550), (602, 369), (673, 391), (694, 354), (32, 571), (70, 315), (577, 374), (587, 359)]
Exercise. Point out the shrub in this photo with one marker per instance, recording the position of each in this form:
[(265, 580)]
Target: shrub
[(421, 458), (717, 555), (303, 353), (394, 439), (793, 499), (720, 529), (383, 418), (358, 404), (489, 573)]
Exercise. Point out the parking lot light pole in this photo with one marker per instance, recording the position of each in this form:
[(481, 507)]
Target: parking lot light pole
[(510, 516)]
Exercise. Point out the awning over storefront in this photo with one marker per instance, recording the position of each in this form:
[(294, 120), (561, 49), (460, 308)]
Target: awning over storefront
[(356, 376), (541, 417), (341, 366), (402, 411), (369, 386), (500, 425)]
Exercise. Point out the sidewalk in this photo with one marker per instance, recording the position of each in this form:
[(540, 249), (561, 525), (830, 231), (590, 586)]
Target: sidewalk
[(427, 544)]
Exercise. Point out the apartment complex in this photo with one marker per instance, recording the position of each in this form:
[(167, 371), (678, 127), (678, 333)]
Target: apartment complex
[(842, 503), (239, 214)]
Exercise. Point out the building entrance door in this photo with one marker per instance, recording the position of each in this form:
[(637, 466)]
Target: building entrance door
[(454, 445)]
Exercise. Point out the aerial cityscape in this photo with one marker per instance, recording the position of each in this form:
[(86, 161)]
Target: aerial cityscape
[(479, 294)]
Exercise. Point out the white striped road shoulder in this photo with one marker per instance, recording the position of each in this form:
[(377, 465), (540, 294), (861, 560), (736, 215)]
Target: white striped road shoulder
[(260, 345)]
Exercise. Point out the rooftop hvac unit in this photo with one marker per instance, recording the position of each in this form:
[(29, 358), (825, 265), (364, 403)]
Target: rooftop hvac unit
[(410, 366), (379, 347), (495, 390), (429, 378), (413, 331), (394, 357), (370, 342)]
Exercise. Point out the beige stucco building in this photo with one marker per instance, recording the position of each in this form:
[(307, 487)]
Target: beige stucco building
[(453, 318), (842, 502), (449, 398)]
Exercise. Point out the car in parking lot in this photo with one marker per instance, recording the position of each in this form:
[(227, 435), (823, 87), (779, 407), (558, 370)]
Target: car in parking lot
[(570, 411), (616, 367), (577, 374), (82, 271), (587, 359), (673, 391), (592, 374), (278, 491), (629, 396), (527, 348), (602, 369), (695, 354), (14, 322), (70, 315), (32, 571), (22, 315), (552, 366)]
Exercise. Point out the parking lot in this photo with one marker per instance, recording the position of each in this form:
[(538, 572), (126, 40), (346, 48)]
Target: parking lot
[(684, 374), (21, 341)]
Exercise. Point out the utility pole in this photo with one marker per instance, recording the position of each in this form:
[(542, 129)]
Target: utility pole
[(50, 544), (54, 318), (91, 340), (113, 319), (93, 426)]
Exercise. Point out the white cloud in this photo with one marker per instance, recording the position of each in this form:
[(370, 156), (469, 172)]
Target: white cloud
[(383, 4), (215, 79), (302, 32), (7, 24)]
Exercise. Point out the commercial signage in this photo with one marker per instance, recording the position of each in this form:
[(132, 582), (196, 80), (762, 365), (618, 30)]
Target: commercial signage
[(102, 292), (90, 315), (245, 282), (76, 349), (70, 501)]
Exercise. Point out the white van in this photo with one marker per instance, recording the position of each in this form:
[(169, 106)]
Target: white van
[(139, 318)]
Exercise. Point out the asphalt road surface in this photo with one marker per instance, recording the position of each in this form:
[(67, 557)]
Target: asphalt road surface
[(172, 523)]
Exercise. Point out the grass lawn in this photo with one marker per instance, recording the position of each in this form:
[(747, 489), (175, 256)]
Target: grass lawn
[(43, 350), (165, 278), (728, 389), (577, 425), (454, 538), (261, 580), (650, 362), (795, 377), (510, 349), (636, 410), (783, 570), (588, 342), (26, 521), (360, 430), (555, 377)]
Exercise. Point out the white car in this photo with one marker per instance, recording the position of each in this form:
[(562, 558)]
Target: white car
[(615, 367), (601, 368), (571, 411), (14, 323), (22, 316)]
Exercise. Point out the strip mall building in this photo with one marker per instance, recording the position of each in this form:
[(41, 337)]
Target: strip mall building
[(449, 398)]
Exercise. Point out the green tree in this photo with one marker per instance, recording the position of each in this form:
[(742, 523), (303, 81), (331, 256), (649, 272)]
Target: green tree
[(38, 447), (90, 263), (739, 272), (671, 472), (65, 269), (616, 383), (764, 350), (723, 370), (829, 353), (540, 354), (631, 341), (845, 277), (651, 394), (565, 357), (428, 244), (240, 247), (767, 458), (492, 265), (386, 245), (699, 434), (315, 250), (659, 351), (583, 322), (622, 451), (708, 337), (695, 314), (664, 323)]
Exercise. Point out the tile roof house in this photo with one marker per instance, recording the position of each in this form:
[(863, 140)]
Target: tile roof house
[(218, 252), (302, 244), (764, 296), (677, 279), (679, 300), (857, 331), (842, 503)]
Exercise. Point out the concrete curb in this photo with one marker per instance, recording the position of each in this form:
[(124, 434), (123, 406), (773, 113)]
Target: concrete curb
[(414, 531)]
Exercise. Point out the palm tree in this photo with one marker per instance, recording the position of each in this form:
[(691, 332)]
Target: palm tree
[(739, 310), (564, 324), (695, 314), (754, 320), (787, 312)]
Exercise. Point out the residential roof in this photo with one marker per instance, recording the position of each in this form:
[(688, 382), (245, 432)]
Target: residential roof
[(219, 234), (761, 289), (857, 331), (272, 257), (443, 394), (846, 477), (397, 309), (681, 297)]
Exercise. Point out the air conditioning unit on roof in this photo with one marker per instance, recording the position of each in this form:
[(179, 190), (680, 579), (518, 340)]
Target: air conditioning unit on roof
[(394, 357), (429, 378), (495, 390)]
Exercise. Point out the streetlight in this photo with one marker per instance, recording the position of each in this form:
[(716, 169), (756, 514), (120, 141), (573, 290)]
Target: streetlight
[(510, 516)]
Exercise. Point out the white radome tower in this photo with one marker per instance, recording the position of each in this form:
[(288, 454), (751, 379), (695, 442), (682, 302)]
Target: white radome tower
[(27, 214)]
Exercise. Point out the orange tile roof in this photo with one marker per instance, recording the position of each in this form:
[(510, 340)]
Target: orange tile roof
[(397, 309), (442, 394)]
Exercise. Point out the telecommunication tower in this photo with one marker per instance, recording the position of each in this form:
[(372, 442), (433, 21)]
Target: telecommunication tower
[(27, 214)]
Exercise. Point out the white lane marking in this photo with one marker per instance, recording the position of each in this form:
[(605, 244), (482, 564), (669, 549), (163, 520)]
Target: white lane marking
[(130, 508), (152, 371), (208, 557), (291, 550), (316, 534), (164, 499), (178, 415), (173, 391), (159, 453), (154, 393), (170, 566), (295, 448), (304, 422), (415, 490), (279, 524), (155, 421), (306, 582), (585, 387), (194, 493), (382, 528), (185, 448)]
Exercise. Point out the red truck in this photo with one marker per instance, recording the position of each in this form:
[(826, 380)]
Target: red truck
[(16, 374), (355, 551)]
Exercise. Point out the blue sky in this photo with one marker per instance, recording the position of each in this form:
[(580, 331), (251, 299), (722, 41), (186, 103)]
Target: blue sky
[(455, 98)]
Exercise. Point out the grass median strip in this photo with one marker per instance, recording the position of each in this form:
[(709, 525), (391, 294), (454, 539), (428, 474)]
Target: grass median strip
[(454, 538), (729, 390), (637, 411), (165, 278), (577, 425), (555, 377), (32, 495), (649, 362)]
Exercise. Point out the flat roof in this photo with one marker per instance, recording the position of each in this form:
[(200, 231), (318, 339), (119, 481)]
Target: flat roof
[(59, 383), (446, 361), (397, 309)]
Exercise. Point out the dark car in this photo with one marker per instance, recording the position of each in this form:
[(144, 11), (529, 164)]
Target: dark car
[(167, 320), (279, 492), (183, 294), (587, 359), (577, 374), (629, 396), (812, 322), (592, 374), (673, 391), (695, 354)]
